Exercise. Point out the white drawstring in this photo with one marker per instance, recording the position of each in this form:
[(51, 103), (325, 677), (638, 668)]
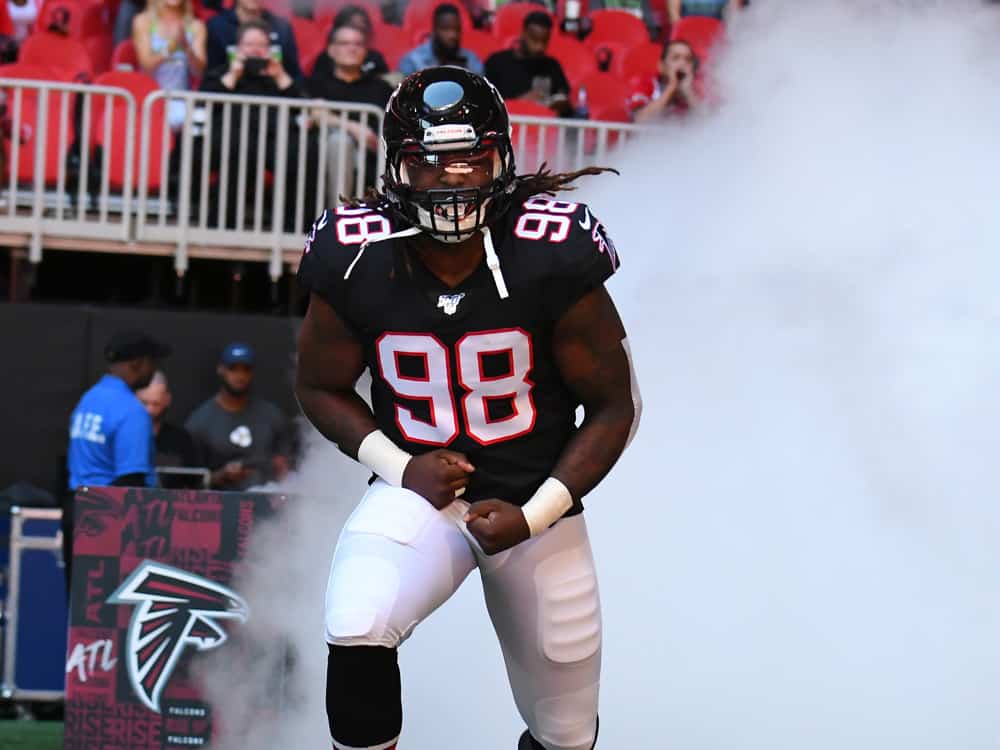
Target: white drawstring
[(493, 263), (408, 232)]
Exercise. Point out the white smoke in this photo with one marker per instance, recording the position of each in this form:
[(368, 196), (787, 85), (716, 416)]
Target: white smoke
[(800, 548)]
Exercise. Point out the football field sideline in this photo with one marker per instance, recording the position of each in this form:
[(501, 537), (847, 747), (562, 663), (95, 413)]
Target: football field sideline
[(30, 735)]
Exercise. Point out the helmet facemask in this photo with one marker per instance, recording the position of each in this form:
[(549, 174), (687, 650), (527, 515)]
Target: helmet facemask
[(452, 183)]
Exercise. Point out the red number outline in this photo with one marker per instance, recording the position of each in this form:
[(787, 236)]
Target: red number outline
[(397, 408), (512, 396)]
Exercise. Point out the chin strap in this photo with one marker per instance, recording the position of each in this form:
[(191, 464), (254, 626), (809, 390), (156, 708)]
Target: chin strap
[(493, 263), (408, 232)]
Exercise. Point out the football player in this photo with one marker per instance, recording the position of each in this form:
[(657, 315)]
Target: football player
[(477, 302)]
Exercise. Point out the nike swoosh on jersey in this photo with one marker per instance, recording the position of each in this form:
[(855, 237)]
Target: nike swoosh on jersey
[(585, 221)]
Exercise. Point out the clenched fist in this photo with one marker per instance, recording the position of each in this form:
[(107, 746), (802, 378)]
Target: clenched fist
[(496, 525), (437, 476)]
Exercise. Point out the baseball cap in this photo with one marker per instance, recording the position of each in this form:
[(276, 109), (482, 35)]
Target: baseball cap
[(134, 343), (237, 354)]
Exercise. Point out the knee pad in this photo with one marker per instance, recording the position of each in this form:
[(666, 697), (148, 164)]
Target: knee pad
[(363, 702), (567, 722)]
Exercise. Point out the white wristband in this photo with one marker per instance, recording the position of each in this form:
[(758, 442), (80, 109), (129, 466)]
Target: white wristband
[(549, 503), (384, 457)]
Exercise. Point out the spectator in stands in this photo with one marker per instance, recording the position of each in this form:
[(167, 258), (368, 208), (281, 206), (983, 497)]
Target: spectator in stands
[(244, 441), (170, 45), (719, 9), (174, 445), (675, 91), (254, 71), (444, 46), (356, 16), (526, 72), (341, 78), (223, 35), (23, 14)]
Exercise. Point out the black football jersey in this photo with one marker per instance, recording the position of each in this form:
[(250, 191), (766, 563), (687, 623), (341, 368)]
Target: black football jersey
[(459, 367)]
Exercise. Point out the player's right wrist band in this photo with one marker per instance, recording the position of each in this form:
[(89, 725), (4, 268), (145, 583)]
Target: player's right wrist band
[(549, 503), (384, 457)]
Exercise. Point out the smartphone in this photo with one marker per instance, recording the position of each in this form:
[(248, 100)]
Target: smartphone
[(255, 66), (543, 85), (276, 52)]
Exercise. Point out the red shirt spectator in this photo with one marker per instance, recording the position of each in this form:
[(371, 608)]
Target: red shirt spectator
[(674, 91)]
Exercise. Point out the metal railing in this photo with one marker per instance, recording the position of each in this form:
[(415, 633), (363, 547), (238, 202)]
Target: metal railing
[(241, 178), (61, 191), (232, 155)]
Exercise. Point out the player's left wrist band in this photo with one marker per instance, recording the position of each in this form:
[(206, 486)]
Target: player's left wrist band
[(384, 457), (549, 503)]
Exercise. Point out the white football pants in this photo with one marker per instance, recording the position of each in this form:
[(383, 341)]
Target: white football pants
[(398, 559)]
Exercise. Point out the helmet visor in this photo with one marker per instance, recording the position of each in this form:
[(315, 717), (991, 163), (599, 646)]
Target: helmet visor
[(426, 170)]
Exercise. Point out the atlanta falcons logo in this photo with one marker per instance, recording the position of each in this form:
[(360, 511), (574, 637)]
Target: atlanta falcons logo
[(173, 610)]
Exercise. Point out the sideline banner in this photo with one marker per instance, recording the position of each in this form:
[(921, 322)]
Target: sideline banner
[(151, 588)]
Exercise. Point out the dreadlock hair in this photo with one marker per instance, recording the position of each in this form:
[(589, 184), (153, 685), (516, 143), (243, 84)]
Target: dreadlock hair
[(542, 182)]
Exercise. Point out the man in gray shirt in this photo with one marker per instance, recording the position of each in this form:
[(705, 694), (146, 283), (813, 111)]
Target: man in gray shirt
[(243, 440)]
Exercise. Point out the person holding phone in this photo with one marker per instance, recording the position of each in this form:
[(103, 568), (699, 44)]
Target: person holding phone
[(253, 68), (255, 71), (526, 72), (224, 32)]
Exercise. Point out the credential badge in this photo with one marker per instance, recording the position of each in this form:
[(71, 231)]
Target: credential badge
[(449, 302)]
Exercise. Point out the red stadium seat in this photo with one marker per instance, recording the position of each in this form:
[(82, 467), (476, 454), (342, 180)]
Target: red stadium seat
[(643, 60), (124, 56), (393, 42), (419, 15), (85, 18), (577, 61), (609, 55), (606, 97), (141, 86), (616, 26), (29, 117), (54, 50), (700, 32), (310, 39), (89, 21), (526, 139), (510, 18), (480, 42)]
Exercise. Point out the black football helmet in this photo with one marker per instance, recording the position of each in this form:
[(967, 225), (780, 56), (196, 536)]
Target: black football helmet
[(449, 162)]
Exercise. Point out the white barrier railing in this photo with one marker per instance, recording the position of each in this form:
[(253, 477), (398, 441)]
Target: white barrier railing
[(52, 186), (564, 144), (241, 178), (228, 146)]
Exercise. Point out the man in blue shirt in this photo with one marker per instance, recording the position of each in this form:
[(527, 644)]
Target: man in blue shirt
[(110, 432), (444, 47)]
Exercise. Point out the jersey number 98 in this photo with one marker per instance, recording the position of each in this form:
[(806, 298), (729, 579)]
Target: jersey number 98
[(435, 386)]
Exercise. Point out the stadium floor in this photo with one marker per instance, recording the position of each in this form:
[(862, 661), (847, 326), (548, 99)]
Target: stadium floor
[(30, 735)]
